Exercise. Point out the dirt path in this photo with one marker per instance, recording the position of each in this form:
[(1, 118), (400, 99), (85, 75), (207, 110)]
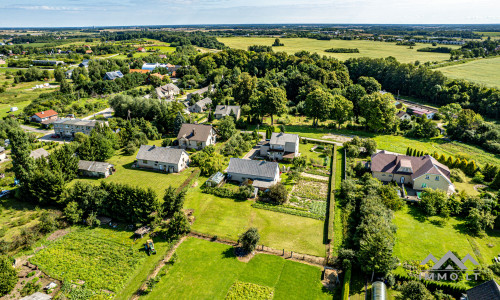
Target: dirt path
[(158, 267)]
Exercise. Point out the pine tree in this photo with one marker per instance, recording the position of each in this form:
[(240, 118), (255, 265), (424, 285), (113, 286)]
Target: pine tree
[(463, 165), (449, 162), (458, 163), (496, 182), (179, 120), (435, 155), (408, 151), (442, 159), (471, 168)]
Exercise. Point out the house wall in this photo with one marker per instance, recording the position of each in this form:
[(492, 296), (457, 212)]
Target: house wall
[(3, 156), (163, 166), (386, 177), (292, 147), (242, 177), (219, 116), (432, 183)]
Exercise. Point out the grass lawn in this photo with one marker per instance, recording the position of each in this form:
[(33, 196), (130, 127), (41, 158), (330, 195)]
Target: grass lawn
[(229, 218), (366, 48), (483, 71), (104, 258), (163, 49), (206, 270)]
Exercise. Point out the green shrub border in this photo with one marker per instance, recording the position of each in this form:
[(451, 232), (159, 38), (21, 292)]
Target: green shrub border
[(347, 282), (331, 194), (287, 210), (189, 180)]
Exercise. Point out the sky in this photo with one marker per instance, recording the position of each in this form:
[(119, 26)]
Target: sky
[(77, 13)]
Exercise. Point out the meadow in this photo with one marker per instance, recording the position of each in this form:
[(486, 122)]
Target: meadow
[(206, 270), (483, 71), (366, 48)]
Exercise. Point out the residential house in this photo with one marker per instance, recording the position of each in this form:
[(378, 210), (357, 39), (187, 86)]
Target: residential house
[(68, 74), (95, 168), (88, 51), (162, 56), (198, 92), (418, 172), (67, 127), (84, 63), (113, 75), (40, 152), (2, 62), (139, 71), (281, 146), (398, 105), (37, 296), (222, 111), (261, 174), (403, 115), (165, 159), (421, 112), (487, 290), (3, 154), (167, 91), (46, 62), (141, 49), (201, 105), (196, 136), (47, 116), (152, 66)]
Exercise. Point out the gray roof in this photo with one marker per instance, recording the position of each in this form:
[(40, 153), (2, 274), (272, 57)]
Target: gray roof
[(113, 75), (194, 132), (257, 168), (200, 91), (37, 296), (160, 154), (488, 290), (203, 102), (225, 110), (280, 138), (78, 122), (40, 152), (2, 149), (162, 91), (94, 166)]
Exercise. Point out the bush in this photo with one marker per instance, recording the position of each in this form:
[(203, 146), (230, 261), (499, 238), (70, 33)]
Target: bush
[(249, 239), (415, 290), (48, 222), (8, 276), (278, 193), (457, 175)]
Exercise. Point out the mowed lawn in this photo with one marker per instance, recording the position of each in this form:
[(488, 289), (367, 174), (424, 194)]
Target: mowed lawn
[(483, 71), (229, 218), (366, 48), (206, 270)]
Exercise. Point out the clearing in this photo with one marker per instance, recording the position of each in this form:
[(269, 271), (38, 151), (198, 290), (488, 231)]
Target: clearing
[(207, 270), (366, 48), (483, 71)]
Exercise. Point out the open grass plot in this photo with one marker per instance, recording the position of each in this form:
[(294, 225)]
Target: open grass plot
[(483, 71), (229, 218), (206, 270), (366, 48), (105, 259)]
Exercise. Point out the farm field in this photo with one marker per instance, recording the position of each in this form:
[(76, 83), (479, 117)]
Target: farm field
[(162, 49), (366, 48), (121, 267), (229, 218), (483, 71), (206, 270)]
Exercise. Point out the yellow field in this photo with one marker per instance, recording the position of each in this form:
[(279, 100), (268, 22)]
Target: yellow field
[(483, 71), (366, 48)]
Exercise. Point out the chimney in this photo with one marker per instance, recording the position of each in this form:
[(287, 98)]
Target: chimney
[(193, 132)]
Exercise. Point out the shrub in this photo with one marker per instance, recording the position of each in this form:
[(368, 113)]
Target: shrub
[(8, 276), (48, 222), (457, 175), (415, 290), (278, 193), (249, 239)]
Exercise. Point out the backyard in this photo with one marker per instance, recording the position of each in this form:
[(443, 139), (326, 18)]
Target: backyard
[(206, 270)]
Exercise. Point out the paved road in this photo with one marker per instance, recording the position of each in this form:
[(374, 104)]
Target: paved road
[(107, 113), (36, 130)]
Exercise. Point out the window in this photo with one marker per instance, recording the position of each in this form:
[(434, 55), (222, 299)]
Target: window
[(145, 161), (383, 174), (437, 178), (427, 177), (424, 185)]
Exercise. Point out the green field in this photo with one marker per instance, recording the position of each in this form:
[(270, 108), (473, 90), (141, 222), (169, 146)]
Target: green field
[(103, 258), (366, 48), (206, 270), (483, 71), (162, 49)]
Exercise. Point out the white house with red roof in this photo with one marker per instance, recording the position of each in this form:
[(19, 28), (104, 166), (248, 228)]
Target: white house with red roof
[(45, 117)]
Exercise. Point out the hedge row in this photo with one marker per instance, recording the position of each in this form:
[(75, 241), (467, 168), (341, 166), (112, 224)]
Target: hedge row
[(306, 178), (347, 282), (220, 192), (287, 210), (189, 180), (331, 194), (448, 288)]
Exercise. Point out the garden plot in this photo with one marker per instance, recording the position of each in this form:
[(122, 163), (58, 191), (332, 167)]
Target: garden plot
[(310, 194)]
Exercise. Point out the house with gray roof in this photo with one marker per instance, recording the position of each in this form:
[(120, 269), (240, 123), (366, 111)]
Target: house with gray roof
[(201, 105), (199, 92), (487, 290), (222, 111), (95, 168), (419, 172), (113, 75), (261, 174), (40, 152), (167, 91), (3, 154), (67, 127), (196, 136), (164, 159), (282, 146)]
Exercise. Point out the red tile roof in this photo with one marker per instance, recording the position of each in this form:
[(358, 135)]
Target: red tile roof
[(46, 114), (139, 71)]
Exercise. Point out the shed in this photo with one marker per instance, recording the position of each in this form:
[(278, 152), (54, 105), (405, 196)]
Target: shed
[(142, 231), (379, 291), (40, 152), (215, 180)]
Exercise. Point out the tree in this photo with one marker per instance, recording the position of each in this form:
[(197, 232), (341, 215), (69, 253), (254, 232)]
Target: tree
[(23, 165), (319, 105), (178, 225), (99, 146), (480, 219), (59, 74), (8, 276), (433, 201), (375, 251), (342, 110), (179, 120), (226, 128), (370, 84), (172, 201), (471, 168), (73, 213), (277, 43), (65, 87), (415, 290), (274, 102), (48, 222), (390, 197), (354, 93), (370, 146), (495, 184), (449, 111), (249, 239), (208, 161), (244, 88), (278, 193), (379, 112)]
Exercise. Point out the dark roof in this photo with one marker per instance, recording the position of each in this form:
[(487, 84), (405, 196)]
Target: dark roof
[(401, 113), (390, 163), (161, 154), (84, 63), (489, 290), (203, 102), (194, 132), (94, 166), (113, 75), (280, 138), (225, 110), (258, 168)]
